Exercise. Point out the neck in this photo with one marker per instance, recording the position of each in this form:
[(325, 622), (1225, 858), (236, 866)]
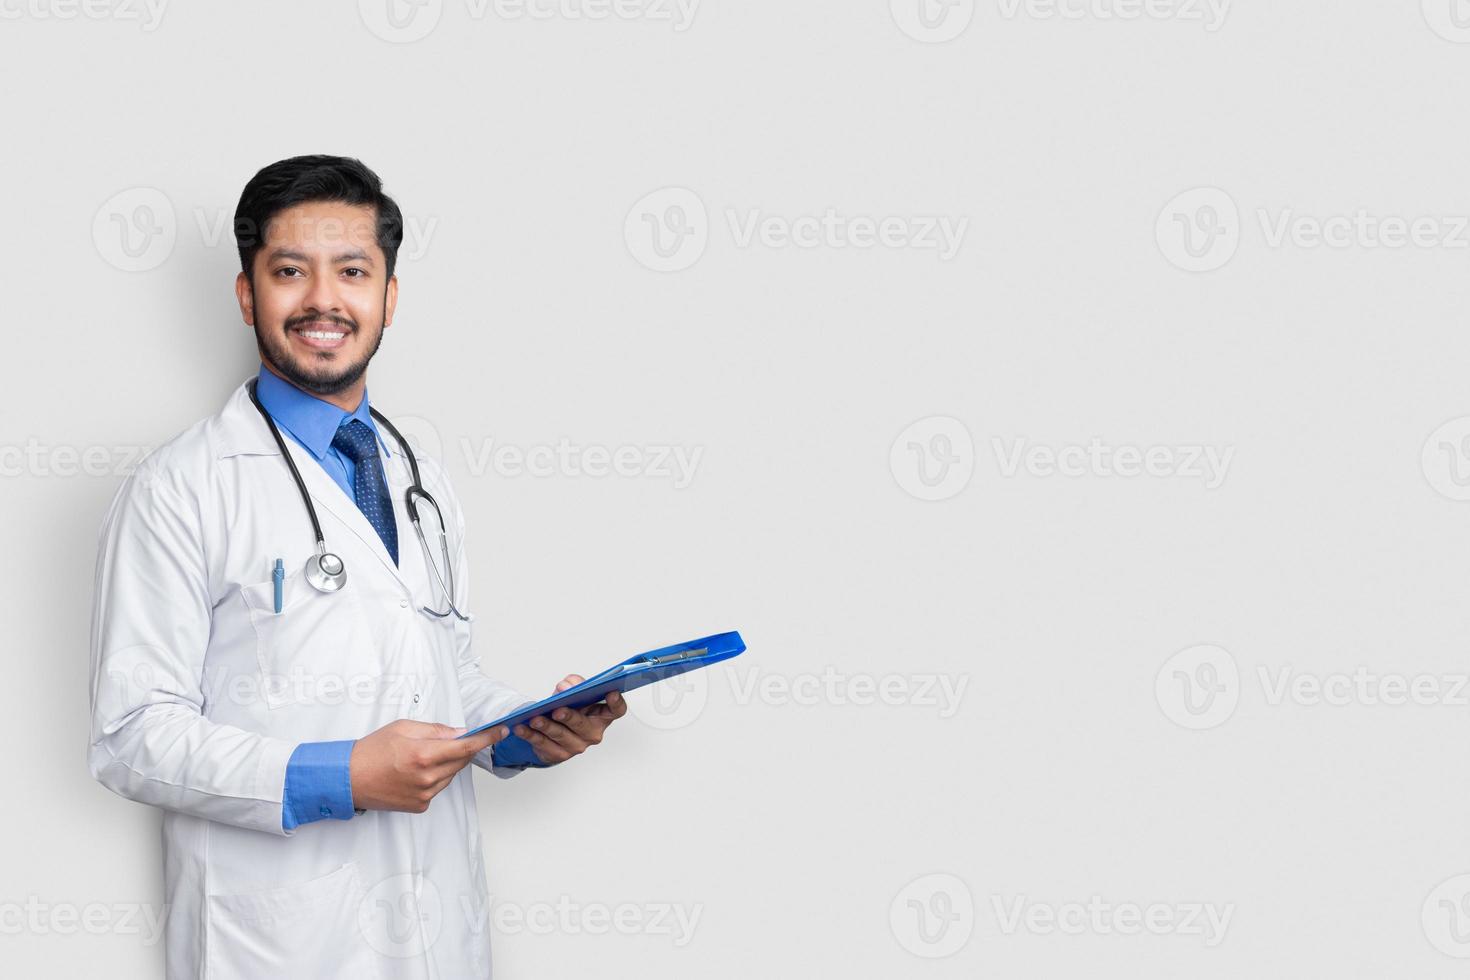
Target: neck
[(347, 399)]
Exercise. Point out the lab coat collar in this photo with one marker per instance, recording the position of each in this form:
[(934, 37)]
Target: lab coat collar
[(312, 421), (242, 432)]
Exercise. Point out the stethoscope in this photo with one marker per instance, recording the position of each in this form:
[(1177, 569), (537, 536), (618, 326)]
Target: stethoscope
[(325, 570)]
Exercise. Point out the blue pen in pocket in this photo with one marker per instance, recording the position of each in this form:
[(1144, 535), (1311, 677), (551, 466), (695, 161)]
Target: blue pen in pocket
[(279, 578)]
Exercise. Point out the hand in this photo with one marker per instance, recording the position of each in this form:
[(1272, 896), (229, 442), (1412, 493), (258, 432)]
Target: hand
[(571, 731), (404, 764)]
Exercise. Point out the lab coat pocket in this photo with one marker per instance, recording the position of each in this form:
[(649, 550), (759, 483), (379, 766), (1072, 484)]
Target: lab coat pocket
[(310, 930), (315, 649)]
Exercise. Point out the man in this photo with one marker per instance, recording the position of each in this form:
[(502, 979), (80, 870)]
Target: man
[(319, 817)]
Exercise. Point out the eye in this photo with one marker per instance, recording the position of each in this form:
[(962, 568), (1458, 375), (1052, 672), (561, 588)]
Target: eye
[(360, 272), (289, 268)]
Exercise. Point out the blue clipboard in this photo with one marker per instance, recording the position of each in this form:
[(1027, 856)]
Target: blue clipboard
[(635, 672)]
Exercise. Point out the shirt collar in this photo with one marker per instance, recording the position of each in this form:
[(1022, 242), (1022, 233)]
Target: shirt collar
[(311, 421)]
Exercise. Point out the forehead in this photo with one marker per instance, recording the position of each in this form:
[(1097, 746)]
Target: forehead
[(322, 225)]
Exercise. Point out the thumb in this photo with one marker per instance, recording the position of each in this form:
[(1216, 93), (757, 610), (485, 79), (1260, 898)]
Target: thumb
[(429, 729)]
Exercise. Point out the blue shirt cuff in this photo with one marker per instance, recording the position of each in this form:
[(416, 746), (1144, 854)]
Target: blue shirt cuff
[(318, 783), (513, 751)]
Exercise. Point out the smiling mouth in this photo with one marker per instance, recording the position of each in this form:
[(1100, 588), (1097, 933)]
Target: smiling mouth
[(321, 334)]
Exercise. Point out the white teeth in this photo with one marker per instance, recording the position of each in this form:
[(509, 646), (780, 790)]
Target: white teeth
[(322, 335)]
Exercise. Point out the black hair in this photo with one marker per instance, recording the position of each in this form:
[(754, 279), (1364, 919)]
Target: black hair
[(300, 180)]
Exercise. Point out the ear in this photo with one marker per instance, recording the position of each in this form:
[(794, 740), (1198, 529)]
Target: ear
[(245, 299), (390, 301)]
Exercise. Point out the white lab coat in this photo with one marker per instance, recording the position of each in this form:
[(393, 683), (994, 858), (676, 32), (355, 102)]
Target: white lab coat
[(200, 693)]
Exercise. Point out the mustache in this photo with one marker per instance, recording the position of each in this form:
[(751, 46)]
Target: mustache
[(319, 318)]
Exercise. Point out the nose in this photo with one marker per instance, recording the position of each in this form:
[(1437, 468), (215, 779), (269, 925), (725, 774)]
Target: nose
[(322, 296)]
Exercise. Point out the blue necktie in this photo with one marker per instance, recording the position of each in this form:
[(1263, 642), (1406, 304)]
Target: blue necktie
[(357, 442)]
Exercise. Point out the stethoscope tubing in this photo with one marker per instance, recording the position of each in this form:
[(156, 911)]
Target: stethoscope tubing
[(415, 490)]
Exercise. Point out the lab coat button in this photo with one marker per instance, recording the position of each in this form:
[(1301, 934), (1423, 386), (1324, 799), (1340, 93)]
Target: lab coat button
[(403, 603), (415, 699)]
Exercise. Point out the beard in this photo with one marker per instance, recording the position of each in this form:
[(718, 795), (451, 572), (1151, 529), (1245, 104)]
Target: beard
[(320, 374)]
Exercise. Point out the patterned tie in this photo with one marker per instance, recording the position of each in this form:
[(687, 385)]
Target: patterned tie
[(357, 442)]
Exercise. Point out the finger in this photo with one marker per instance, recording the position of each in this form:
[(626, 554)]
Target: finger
[(560, 734), (587, 728), (571, 680), (610, 710), (425, 729), (463, 748), (546, 750)]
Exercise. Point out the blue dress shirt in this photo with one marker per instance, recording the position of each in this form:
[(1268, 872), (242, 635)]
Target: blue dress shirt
[(318, 775)]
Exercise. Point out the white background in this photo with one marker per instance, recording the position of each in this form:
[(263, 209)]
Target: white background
[(1080, 765)]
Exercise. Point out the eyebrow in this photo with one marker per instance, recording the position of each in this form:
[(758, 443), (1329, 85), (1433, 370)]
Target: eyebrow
[(355, 255)]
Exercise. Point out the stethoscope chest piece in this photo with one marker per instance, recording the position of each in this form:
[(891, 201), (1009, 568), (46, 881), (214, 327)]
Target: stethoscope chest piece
[(325, 572)]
